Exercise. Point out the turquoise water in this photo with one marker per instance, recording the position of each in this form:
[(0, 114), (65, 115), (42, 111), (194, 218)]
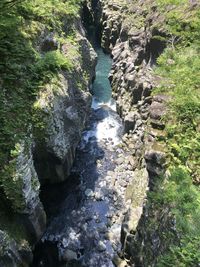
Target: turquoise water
[(101, 88)]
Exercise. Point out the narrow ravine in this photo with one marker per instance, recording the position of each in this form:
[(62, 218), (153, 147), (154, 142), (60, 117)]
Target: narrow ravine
[(100, 133), (87, 211)]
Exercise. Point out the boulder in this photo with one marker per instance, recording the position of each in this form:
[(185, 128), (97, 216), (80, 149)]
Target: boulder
[(157, 110), (49, 43), (69, 255), (130, 121), (155, 160)]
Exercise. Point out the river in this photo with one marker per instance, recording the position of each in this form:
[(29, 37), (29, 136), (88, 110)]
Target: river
[(86, 212)]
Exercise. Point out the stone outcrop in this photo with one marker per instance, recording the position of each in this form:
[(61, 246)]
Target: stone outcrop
[(107, 18), (21, 188), (65, 106), (66, 113), (111, 25)]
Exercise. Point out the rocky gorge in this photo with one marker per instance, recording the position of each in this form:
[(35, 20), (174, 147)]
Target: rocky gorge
[(81, 183)]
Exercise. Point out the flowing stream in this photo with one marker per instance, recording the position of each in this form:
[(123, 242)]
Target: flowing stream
[(86, 212)]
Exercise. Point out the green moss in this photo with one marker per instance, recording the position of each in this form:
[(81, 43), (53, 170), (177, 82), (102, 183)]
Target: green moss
[(13, 185), (53, 61), (181, 67), (182, 21), (25, 72), (183, 198)]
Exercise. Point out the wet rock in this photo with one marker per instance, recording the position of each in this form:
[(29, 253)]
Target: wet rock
[(98, 196), (84, 227), (120, 160), (89, 192), (49, 43), (155, 159), (102, 228), (101, 246), (109, 235), (69, 255)]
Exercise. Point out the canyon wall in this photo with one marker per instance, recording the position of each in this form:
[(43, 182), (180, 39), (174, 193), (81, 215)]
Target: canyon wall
[(128, 33), (159, 228), (46, 153)]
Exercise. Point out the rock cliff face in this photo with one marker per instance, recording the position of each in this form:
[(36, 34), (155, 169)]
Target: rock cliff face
[(128, 31), (22, 215), (66, 107), (13, 254), (46, 155)]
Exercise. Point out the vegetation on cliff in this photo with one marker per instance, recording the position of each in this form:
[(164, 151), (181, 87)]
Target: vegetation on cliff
[(28, 65), (24, 68), (179, 67)]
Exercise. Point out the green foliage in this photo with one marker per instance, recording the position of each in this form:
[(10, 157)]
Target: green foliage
[(53, 61), (186, 255), (25, 71), (179, 67), (12, 182), (164, 3), (182, 21), (179, 193)]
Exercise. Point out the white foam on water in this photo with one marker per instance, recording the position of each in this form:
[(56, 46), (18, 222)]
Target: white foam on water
[(112, 104), (106, 129), (96, 104)]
